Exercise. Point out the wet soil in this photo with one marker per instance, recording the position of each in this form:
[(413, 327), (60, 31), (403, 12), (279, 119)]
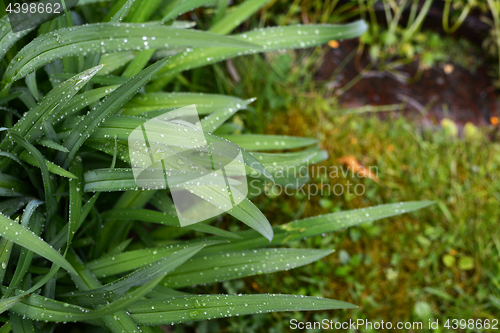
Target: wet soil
[(460, 95)]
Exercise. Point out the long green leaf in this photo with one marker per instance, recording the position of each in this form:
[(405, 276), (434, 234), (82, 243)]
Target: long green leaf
[(233, 265), (139, 277), (202, 307), (113, 61), (12, 187), (122, 12), (14, 232), (268, 39), (237, 16), (107, 38), (107, 180), (6, 248), (317, 225), (142, 10), (165, 311), (130, 260), (120, 127), (7, 37), (184, 6), (51, 205), (111, 104), (75, 198), (87, 98), (52, 145), (42, 308), (162, 101), (10, 206), (245, 211), (289, 164), (147, 215), (10, 302), (26, 256), (6, 328), (214, 120), (258, 142), (53, 168), (120, 321)]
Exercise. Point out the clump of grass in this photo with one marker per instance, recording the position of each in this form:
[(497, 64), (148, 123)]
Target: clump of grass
[(80, 241)]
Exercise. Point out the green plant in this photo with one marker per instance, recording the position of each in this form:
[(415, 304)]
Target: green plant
[(64, 142)]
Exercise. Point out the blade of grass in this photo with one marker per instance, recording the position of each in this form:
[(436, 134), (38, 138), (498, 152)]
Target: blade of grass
[(30, 126), (52, 145), (205, 103), (123, 262), (214, 120), (258, 142), (14, 232), (268, 39), (6, 328), (11, 206), (238, 14), (182, 7), (139, 277), (106, 38), (32, 85), (20, 324), (51, 167), (7, 303), (315, 226), (12, 187), (26, 256), (111, 104), (147, 215), (6, 250), (234, 265), (119, 15), (142, 10), (7, 37), (50, 205), (119, 321), (75, 198), (113, 61), (201, 307)]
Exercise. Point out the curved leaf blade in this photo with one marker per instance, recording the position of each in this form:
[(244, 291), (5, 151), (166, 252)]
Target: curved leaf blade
[(268, 39)]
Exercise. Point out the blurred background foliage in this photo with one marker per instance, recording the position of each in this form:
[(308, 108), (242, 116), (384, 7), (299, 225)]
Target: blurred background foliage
[(438, 263)]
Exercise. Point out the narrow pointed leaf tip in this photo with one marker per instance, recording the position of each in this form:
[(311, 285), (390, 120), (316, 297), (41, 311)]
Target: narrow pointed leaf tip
[(108, 38), (202, 307)]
